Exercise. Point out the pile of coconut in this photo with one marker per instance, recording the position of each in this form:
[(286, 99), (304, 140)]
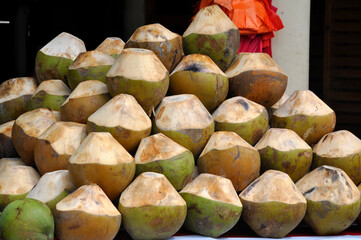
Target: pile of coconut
[(167, 132)]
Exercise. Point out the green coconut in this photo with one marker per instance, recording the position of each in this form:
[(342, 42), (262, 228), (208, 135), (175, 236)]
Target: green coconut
[(213, 34), (112, 46), (7, 149)]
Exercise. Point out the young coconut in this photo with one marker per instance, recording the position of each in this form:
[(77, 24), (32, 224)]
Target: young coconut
[(53, 60), (91, 65), (185, 120), (55, 146), (278, 104), (340, 149), (158, 153), (86, 214), (164, 43), (52, 187), (102, 160), (213, 207), (257, 77), (228, 155), (49, 94), (272, 205), (151, 207), (10, 161), (124, 118), (197, 72), (283, 150), (213, 34), (307, 115), (242, 116), (7, 149), (15, 94), (140, 73), (112, 46), (27, 128), (86, 98), (333, 200)]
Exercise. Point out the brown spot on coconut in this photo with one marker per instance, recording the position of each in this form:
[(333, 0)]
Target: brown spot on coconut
[(242, 116), (272, 205), (151, 203), (86, 214), (257, 77), (15, 94), (282, 149), (112, 46), (164, 43), (333, 200), (85, 99), (140, 73), (7, 149), (10, 161)]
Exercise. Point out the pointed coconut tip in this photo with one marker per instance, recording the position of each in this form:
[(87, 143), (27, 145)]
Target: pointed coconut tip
[(6, 128), (16, 87), (111, 45), (92, 59), (53, 87), (17, 179), (152, 33)]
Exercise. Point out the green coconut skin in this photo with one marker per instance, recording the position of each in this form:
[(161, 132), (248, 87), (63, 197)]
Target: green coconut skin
[(27, 219), (44, 100), (52, 203), (75, 76), (295, 163), (6, 199), (12, 109), (153, 222), (178, 169), (222, 48), (209, 217)]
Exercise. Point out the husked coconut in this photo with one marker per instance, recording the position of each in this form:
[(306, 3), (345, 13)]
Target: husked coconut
[(152, 204), (10, 161), (212, 33), (213, 207), (272, 205), (7, 149), (333, 200), (86, 214), (112, 46), (15, 94)]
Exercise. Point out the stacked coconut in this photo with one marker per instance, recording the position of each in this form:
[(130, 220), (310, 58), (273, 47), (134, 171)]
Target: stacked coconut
[(168, 131)]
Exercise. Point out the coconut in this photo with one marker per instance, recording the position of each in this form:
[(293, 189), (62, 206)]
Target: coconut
[(333, 200), (10, 161), (151, 207), (124, 118), (212, 33), (340, 149), (197, 72), (307, 115), (49, 94), (102, 160), (228, 155), (53, 60), (7, 149), (86, 214), (90, 65), (164, 43), (27, 128), (140, 73), (15, 94), (278, 104), (213, 207), (272, 205), (86, 98), (282, 149), (242, 116), (112, 46), (54, 147), (158, 153), (185, 120)]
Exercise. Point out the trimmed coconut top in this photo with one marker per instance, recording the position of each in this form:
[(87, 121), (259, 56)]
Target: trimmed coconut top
[(16, 87), (102, 148), (64, 45), (152, 33), (86, 89), (6, 128), (51, 185), (282, 100), (198, 63), (183, 111), (111, 45), (238, 110), (327, 183), (282, 139), (213, 187), (90, 199), (338, 144), (150, 189), (53, 87), (157, 147), (64, 137), (210, 20), (138, 64), (17, 179), (92, 59), (271, 186), (303, 102), (124, 111), (10, 161)]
